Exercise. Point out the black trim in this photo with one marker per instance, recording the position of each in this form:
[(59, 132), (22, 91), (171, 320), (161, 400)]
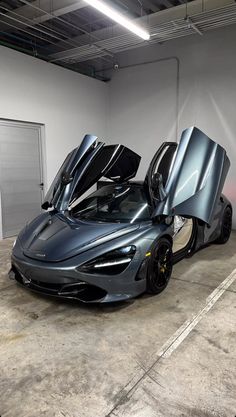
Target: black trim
[(149, 175), (80, 290)]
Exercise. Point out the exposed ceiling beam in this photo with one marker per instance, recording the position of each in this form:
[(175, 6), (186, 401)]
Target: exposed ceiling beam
[(40, 11), (131, 6), (136, 6), (166, 3), (167, 15), (27, 22), (152, 5)]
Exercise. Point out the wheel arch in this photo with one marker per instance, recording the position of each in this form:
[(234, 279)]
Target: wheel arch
[(166, 236), (157, 277)]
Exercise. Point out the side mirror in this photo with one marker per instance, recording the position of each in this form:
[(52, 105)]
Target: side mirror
[(66, 178)]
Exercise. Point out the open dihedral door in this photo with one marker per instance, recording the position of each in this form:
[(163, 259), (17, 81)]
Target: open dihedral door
[(85, 165), (197, 168)]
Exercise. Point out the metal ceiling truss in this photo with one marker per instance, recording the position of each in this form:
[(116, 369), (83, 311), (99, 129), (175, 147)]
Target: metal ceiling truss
[(73, 35), (187, 25)]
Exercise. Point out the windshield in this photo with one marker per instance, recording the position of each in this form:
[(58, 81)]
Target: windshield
[(114, 203)]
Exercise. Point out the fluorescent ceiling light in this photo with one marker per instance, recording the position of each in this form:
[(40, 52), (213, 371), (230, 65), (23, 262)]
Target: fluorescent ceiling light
[(118, 18)]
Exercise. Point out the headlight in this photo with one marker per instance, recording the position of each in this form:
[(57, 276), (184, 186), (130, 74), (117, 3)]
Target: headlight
[(14, 243), (110, 263)]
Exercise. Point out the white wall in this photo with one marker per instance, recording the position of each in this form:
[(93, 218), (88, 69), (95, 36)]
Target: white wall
[(142, 100), (143, 108), (67, 103), (207, 95)]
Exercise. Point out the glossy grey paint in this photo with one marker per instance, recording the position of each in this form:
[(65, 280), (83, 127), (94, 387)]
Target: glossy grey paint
[(50, 231), (52, 247), (69, 165), (118, 287), (196, 179)]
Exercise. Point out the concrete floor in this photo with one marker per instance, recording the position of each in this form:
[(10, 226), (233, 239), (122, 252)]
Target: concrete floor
[(65, 359)]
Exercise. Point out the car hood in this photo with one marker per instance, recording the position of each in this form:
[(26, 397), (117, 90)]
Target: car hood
[(54, 238)]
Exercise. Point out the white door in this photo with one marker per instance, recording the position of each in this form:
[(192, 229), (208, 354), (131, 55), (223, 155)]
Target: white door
[(21, 179)]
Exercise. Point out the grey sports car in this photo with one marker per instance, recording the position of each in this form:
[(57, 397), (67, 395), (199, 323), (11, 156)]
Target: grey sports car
[(123, 238)]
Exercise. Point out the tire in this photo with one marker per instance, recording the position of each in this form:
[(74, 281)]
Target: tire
[(159, 267), (226, 226)]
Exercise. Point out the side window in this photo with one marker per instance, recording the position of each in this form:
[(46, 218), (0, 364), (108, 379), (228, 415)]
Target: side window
[(159, 171), (164, 162), (54, 187)]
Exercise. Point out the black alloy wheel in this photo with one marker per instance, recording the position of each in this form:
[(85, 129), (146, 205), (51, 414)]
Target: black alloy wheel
[(226, 226), (160, 266)]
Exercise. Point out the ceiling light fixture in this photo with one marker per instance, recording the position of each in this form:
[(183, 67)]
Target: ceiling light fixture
[(119, 18)]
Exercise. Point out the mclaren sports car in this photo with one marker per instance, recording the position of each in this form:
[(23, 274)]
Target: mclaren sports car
[(122, 239)]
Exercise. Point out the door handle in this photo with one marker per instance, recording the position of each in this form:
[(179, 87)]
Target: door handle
[(41, 185)]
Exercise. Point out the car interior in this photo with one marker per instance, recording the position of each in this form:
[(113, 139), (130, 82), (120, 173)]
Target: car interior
[(182, 232)]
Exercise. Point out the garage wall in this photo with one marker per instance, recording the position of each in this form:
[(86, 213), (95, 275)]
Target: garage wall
[(68, 104), (207, 95), (141, 100), (143, 107)]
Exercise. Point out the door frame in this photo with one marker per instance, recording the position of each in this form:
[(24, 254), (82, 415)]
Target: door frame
[(42, 153)]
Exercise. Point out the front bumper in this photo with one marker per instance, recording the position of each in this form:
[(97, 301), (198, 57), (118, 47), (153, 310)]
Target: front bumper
[(79, 290), (67, 282)]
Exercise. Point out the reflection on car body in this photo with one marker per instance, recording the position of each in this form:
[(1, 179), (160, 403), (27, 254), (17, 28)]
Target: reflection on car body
[(123, 239)]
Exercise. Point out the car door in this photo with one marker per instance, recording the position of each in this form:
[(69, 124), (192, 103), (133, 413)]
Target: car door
[(85, 165), (195, 172)]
